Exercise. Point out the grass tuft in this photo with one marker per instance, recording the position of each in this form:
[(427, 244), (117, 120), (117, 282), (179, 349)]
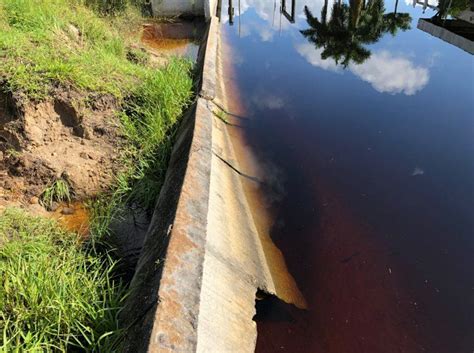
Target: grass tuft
[(220, 114), (58, 191)]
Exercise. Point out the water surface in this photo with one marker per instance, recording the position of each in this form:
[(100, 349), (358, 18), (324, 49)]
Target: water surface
[(366, 132)]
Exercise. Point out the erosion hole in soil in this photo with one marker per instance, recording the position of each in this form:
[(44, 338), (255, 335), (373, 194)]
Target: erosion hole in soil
[(7, 108), (69, 117), (8, 141)]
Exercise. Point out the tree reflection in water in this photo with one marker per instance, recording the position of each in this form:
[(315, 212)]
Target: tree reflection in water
[(350, 27)]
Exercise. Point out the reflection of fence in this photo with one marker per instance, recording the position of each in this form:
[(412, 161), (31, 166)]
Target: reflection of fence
[(289, 14), (424, 4), (230, 12), (289, 17)]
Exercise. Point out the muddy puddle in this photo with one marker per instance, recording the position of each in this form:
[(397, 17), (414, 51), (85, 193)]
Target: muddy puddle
[(181, 38), (74, 217)]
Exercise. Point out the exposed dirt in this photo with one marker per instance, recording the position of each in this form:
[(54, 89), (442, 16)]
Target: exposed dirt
[(72, 136), (62, 137)]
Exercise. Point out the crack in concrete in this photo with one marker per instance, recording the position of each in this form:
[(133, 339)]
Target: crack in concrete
[(252, 178)]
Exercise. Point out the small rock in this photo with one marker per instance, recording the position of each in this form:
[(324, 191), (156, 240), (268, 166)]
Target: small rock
[(38, 210), (34, 200), (67, 211), (87, 133), (83, 155), (27, 163), (74, 32), (54, 206)]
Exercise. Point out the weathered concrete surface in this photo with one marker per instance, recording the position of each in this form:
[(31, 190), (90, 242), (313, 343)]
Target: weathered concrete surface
[(167, 8), (161, 312), (447, 35), (203, 260), (234, 265), (153, 302), (209, 69)]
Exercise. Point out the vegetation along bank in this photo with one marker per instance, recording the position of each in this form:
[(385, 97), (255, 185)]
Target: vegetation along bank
[(86, 116)]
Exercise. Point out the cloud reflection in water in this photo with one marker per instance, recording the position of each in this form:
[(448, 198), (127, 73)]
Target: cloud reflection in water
[(387, 73)]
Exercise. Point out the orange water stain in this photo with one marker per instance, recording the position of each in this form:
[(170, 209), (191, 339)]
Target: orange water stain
[(171, 38), (150, 39), (74, 217)]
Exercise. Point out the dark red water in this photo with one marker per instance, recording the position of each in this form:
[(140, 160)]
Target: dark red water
[(375, 166)]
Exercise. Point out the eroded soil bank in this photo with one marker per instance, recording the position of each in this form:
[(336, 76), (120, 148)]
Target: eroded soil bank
[(59, 138), (77, 136)]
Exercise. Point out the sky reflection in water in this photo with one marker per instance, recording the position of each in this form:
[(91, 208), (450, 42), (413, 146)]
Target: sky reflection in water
[(393, 66), (376, 157)]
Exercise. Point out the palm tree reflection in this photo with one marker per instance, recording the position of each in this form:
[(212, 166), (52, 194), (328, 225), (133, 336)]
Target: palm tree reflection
[(350, 27), (395, 21)]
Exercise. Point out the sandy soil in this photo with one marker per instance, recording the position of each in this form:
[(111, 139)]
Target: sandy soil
[(61, 137)]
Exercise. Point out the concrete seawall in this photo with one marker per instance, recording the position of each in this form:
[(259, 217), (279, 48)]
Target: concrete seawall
[(203, 261)]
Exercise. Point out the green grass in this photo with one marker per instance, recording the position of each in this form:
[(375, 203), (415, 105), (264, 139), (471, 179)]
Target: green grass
[(149, 122), (220, 114), (40, 49), (58, 191), (107, 7), (54, 295)]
